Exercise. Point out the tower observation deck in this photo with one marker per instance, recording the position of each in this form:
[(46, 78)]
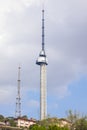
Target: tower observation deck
[(42, 61)]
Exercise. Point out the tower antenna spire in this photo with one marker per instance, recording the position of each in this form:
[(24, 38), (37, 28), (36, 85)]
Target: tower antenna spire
[(18, 98), (43, 35), (43, 4)]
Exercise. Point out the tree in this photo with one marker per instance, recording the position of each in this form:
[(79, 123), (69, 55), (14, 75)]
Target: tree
[(54, 127), (37, 127), (81, 124), (77, 122), (24, 117), (1, 118), (51, 127), (12, 122), (72, 117)]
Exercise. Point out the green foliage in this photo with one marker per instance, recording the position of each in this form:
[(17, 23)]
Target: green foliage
[(54, 127), (72, 116), (12, 122), (1, 118), (81, 124), (49, 121), (77, 122), (51, 127), (37, 127), (24, 117)]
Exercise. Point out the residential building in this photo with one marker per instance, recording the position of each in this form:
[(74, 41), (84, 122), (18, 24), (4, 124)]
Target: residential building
[(21, 122)]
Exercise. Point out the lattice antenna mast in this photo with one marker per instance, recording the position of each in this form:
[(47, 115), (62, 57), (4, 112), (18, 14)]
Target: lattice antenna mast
[(43, 29), (18, 98)]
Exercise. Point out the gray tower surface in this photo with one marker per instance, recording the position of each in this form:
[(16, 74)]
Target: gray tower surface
[(42, 61)]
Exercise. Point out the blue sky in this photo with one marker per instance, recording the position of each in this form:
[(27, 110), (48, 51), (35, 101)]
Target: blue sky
[(65, 43)]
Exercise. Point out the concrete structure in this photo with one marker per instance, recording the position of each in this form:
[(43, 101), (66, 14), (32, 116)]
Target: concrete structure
[(42, 61)]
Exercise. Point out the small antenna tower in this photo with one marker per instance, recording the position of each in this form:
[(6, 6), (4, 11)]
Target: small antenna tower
[(18, 98)]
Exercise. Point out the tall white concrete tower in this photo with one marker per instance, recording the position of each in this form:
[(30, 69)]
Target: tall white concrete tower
[(42, 61)]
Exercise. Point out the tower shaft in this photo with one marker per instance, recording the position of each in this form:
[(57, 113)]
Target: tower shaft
[(18, 98), (43, 94)]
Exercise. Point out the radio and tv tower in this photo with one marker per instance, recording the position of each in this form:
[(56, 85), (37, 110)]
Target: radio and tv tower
[(42, 61), (18, 98)]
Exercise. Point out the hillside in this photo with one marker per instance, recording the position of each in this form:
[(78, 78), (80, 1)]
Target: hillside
[(54, 121)]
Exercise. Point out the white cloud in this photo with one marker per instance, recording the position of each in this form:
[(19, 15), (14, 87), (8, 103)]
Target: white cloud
[(7, 94), (20, 39), (33, 103)]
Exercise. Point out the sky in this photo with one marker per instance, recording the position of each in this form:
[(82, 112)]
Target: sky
[(66, 50)]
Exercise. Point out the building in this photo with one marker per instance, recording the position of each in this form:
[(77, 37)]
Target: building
[(25, 122)]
